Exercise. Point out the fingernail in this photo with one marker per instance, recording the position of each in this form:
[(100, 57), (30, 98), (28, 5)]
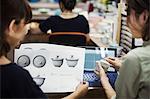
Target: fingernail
[(84, 82)]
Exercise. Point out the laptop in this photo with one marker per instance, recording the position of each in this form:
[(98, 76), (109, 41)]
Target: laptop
[(93, 54)]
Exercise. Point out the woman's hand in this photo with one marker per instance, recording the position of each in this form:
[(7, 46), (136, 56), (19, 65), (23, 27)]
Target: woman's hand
[(110, 92), (100, 71), (116, 62), (80, 91)]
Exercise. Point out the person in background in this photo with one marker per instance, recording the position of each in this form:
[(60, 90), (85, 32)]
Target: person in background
[(133, 81), (68, 21), (15, 81)]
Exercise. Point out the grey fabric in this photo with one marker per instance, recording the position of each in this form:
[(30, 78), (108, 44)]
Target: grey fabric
[(133, 81)]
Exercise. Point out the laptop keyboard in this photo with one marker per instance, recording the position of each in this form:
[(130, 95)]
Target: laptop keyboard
[(90, 76), (94, 80)]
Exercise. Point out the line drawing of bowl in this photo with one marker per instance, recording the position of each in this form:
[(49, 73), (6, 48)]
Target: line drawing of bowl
[(57, 62), (39, 80), (23, 61), (72, 62), (39, 61)]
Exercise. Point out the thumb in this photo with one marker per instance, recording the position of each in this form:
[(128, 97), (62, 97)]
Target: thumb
[(100, 68)]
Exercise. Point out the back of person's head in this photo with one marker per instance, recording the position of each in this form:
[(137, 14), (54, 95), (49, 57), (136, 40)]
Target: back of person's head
[(140, 6), (11, 10), (68, 4)]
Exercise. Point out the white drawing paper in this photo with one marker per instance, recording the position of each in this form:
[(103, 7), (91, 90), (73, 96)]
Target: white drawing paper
[(55, 68)]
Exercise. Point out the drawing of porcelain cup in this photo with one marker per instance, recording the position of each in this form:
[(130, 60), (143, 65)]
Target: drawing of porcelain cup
[(39, 80), (57, 61), (72, 61)]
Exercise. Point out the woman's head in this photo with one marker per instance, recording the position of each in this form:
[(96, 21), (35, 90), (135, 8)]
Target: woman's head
[(138, 12), (67, 4), (14, 16)]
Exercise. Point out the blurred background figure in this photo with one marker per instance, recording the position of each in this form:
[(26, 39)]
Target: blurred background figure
[(67, 21)]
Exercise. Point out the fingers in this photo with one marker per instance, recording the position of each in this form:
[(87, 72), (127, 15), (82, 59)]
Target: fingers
[(111, 61), (80, 91), (85, 83), (116, 62), (83, 86), (112, 58), (99, 66), (96, 72), (99, 71)]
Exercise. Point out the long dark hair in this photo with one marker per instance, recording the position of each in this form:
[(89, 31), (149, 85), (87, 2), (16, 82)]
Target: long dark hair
[(68, 4), (139, 6), (12, 9)]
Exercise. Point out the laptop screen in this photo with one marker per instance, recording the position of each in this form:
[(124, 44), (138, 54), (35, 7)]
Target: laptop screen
[(93, 55)]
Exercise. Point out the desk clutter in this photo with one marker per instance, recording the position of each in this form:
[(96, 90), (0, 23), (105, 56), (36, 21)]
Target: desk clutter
[(126, 39), (57, 68)]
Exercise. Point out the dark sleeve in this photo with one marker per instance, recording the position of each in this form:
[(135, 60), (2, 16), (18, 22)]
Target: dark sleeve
[(46, 25), (25, 87), (34, 90), (86, 28)]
